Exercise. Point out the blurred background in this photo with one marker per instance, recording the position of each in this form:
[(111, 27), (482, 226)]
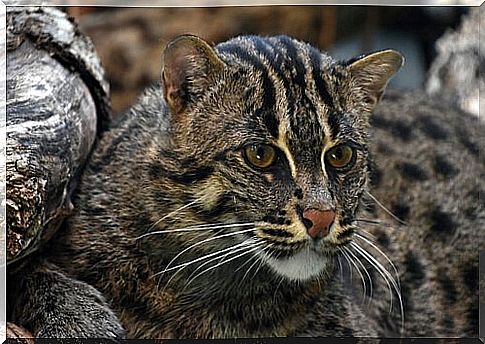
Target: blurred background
[(129, 41)]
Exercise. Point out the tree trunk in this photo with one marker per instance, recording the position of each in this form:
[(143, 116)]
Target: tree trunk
[(57, 102)]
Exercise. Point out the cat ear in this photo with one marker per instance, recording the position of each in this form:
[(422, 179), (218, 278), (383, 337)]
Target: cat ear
[(372, 72), (187, 66)]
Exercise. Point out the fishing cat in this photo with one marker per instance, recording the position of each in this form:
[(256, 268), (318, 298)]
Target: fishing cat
[(238, 196)]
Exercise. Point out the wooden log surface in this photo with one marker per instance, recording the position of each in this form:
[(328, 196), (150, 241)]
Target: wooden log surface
[(57, 98), (18, 335)]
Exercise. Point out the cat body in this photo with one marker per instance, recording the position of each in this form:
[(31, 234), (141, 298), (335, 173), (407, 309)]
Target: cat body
[(226, 201)]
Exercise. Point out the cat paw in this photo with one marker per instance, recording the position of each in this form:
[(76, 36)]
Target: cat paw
[(57, 306)]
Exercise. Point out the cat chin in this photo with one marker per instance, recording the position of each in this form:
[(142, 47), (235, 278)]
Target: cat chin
[(302, 266)]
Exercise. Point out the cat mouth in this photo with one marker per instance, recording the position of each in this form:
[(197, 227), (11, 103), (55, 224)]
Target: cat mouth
[(304, 259), (298, 260)]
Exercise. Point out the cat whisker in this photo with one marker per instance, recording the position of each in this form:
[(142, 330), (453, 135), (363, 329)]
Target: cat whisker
[(258, 259), (247, 244), (340, 268), (357, 235), (386, 276), (348, 263), (385, 209), (375, 222), (252, 249), (282, 278), (265, 256), (196, 237), (247, 262), (200, 243), (350, 260), (205, 257), (365, 271), (206, 227), (218, 255), (176, 211), (379, 268)]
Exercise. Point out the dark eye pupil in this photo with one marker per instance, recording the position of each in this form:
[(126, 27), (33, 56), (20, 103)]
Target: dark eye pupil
[(260, 153), (338, 154)]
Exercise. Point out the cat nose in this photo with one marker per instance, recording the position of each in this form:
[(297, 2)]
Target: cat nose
[(318, 222)]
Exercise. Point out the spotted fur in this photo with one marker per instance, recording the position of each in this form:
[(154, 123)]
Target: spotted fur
[(176, 161)]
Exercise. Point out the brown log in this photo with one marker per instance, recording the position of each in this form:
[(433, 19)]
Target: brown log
[(18, 335), (57, 98)]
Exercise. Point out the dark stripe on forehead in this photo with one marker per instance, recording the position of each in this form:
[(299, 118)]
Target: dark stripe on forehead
[(320, 83), (299, 70), (333, 123), (267, 110), (277, 61), (304, 122), (290, 47)]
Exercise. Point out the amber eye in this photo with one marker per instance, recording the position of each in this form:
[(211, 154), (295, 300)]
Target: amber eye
[(259, 155), (339, 156)]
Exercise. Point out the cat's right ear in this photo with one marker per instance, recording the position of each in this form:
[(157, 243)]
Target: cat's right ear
[(188, 66), (371, 74)]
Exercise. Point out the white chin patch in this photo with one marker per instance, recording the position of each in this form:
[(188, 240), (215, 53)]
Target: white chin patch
[(300, 267)]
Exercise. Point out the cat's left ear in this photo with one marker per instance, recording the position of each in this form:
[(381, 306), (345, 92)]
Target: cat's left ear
[(188, 65), (372, 72)]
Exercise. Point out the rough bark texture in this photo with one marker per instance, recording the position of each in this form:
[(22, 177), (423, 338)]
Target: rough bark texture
[(19, 335), (57, 98)]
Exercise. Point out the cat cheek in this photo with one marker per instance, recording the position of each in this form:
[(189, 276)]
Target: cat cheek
[(269, 177)]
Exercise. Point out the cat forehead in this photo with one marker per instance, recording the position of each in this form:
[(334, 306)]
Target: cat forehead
[(298, 85)]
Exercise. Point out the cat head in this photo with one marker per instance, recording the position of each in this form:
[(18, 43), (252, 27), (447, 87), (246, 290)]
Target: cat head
[(276, 134)]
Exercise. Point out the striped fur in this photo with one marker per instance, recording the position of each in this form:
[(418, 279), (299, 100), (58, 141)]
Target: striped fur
[(187, 240)]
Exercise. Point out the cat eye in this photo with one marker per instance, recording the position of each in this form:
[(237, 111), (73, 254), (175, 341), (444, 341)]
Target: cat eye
[(260, 155), (339, 156)]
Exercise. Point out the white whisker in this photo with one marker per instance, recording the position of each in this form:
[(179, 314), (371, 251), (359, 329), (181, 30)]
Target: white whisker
[(348, 263), (385, 209), (206, 256), (202, 242), (217, 254), (385, 275), (256, 261), (253, 248), (206, 227), (249, 243), (383, 254), (341, 269), (365, 270), (265, 256), (247, 262), (375, 223), (282, 278), (364, 287), (176, 211), (381, 270)]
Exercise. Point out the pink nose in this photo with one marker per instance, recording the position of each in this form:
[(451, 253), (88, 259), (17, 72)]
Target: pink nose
[(318, 222)]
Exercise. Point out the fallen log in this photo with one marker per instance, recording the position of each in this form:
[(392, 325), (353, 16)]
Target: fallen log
[(57, 103)]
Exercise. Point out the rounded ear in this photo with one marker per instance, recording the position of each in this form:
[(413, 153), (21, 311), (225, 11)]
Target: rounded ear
[(188, 63), (372, 72)]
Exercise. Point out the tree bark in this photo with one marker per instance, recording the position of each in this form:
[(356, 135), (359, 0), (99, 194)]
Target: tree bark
[(57, 103)]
